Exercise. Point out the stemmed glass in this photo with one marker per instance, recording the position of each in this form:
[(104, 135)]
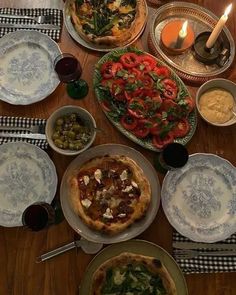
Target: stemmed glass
[(69, 70)]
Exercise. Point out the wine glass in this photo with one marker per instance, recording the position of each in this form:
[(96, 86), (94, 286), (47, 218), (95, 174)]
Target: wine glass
[(69, 70), (38, 216)]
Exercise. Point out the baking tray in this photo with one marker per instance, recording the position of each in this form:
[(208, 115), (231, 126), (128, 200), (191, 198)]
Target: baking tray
[(200, 19)]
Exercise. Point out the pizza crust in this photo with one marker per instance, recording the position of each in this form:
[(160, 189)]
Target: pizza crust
[(125, 36), (151, 263), (140, 207)]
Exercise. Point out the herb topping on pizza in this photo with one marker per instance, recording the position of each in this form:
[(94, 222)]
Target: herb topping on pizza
[(109, 193), (109, 21), (132, 274)]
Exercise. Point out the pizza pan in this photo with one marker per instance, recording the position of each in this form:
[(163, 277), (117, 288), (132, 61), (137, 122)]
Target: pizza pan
[(97, 47), (137, 247), (112, 115), (136, 228), (201, 20)]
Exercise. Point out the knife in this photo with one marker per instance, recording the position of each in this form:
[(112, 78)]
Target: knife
[(189, 245), (23, 135), (30, 26)]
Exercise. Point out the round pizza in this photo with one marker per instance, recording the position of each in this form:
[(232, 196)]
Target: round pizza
[(111, 22), (132, 274), (109, 193)]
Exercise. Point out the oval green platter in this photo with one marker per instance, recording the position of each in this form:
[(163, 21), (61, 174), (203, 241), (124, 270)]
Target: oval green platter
[(146, 143)]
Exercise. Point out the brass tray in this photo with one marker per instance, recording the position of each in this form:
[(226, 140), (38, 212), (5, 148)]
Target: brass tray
[(200, 19)]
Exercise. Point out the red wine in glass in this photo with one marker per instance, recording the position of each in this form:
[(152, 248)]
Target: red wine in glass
[(69, 70), (38, 216)]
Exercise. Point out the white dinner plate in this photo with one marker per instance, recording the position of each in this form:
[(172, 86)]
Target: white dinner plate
[(27, 175), (26, 67), (136, 228), (199, 199), (136, 247), (97, 47)]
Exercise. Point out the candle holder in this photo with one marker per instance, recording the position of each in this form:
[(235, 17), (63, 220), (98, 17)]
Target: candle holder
[(206, 55), (170, 40)]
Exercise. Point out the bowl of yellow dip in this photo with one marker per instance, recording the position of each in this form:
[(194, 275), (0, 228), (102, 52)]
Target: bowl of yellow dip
[(216, 100)]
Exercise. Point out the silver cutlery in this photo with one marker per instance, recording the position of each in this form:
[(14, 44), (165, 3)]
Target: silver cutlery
[(87, 246), (193, 245), (41, 19), (23, 135), (30, 26), (40, 128), (187, 254)]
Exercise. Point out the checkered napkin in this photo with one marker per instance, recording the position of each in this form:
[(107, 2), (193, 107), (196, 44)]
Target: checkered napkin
[(22, 122), (57, 20), (206, 264)]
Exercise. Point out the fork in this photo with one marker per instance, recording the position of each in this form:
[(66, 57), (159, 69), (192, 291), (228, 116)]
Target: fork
[(41, 19), (33, 129), (187, 254)]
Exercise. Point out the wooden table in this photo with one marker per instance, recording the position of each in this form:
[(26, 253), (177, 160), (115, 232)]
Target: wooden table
[(19, 274)]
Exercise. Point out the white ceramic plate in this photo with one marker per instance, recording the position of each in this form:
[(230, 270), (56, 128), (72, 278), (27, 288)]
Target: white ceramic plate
[(135, 229), (199, 199), (98, 47), (137, 247), (26, 67), (27, 175)]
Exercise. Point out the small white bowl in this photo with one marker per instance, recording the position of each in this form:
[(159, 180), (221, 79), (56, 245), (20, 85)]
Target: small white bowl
[(85, 117), (217, 83)]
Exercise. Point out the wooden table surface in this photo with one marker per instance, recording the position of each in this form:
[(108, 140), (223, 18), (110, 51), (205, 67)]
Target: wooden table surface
[(19, 274)]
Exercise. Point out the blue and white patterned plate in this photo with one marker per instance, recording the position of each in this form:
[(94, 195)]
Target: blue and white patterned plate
[(26, 67), (199, 199), (27, 175)]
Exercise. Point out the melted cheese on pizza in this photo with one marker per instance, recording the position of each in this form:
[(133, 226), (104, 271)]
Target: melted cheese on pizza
[(108, 192)]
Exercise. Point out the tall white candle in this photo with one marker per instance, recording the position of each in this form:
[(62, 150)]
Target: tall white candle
[(182, 35), (218, 28)]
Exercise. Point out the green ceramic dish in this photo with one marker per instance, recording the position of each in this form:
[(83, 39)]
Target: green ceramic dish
[(114, 117)]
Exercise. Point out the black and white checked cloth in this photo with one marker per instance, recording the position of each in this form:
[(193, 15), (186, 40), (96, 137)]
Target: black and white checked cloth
[(57, 20), (206, 264), (22, 122)]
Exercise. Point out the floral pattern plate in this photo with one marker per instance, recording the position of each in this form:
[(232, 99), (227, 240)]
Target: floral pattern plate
[(26, 67), (27, 175), (199, 199), (112, 115)]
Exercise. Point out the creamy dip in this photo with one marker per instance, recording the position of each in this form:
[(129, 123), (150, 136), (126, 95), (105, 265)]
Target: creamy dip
[(216, 105)]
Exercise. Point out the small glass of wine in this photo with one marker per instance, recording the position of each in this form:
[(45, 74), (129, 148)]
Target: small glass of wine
[(38, 216), (173, 156), (69, 71)]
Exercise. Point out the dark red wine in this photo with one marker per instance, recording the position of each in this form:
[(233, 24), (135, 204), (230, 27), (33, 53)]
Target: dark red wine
[(175, 155), (38, 216), (68, 68)]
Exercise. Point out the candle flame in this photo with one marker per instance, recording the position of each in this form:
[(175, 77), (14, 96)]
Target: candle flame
[(228, 9), (184, 28)]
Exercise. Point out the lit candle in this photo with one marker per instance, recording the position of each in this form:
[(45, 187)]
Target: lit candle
[(182, 35), (218, 28)]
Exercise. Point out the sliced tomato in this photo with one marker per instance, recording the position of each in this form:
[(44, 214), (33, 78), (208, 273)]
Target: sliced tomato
[(160, 143), (106, 70), (136, 108), (116, 66), (107, 83), (168, 105), (190, 104), (142, 129), (129, 60), (158, 124), (128, 95), (147, 81), (128, 122), (181, 129), (170, 88), (134, 71), (106, 106), (117, 89), (152, 104), (147, 63), (162, 71)]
